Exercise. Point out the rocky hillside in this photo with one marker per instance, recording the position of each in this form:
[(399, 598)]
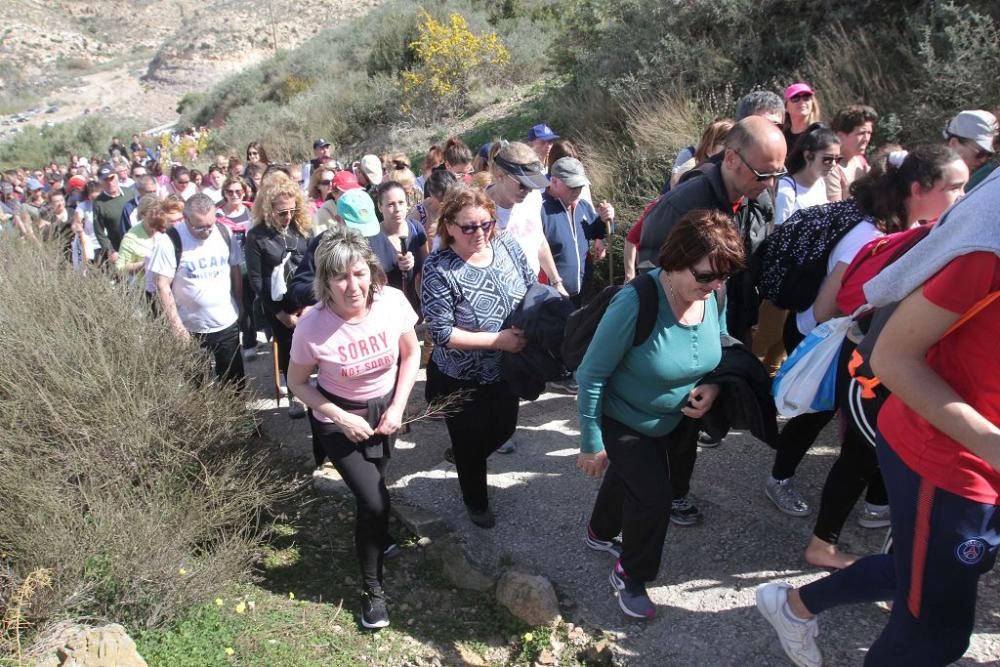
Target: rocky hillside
[(137, 58)]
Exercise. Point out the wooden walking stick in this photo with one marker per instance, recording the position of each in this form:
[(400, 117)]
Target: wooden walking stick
[(277, 371)]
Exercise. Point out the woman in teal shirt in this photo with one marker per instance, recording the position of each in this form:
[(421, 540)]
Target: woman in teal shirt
[(636, 402)]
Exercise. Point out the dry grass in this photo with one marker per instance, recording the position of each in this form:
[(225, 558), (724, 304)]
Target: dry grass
[(131, 485)]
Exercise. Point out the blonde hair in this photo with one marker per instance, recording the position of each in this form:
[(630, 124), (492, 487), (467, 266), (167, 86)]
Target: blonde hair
[(458, 198), (511, 151), (279, 184)]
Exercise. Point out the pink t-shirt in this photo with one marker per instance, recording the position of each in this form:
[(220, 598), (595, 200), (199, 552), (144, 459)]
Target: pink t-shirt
[(356, 360)]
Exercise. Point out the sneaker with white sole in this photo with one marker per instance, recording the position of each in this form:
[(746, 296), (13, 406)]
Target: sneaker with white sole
[(798, 637), (613, 547), (684, 513), (508, 447), (374, 614), (785, 497), (874, 516), (632, 597)]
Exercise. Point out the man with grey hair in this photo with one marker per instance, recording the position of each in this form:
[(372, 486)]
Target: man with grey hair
[(144, 186), (196, 271), (763, 103)]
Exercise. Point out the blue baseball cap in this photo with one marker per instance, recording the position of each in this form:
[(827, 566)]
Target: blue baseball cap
[(542, 132)]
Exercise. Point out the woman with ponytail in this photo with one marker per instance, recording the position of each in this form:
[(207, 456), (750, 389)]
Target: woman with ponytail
[(902, 190)]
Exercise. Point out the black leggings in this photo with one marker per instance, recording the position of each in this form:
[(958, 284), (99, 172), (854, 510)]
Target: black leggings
[(855, 467), (485, 421), (366, 480)]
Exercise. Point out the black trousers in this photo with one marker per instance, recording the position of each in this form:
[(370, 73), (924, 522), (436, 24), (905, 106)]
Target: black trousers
[(224, 346), (856, 460), (636, 493), (483, 423), (248, 329), (366, 480)]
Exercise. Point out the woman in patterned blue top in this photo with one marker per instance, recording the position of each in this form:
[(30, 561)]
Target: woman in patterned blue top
[(470, 287)]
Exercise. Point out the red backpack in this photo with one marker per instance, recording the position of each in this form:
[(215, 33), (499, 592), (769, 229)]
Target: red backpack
[(870, 260)]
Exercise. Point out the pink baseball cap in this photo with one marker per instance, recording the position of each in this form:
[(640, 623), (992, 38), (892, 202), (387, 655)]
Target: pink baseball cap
[(345, 180), (797, 88)]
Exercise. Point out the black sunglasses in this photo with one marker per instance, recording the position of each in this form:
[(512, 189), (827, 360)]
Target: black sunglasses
[(801, 96), (469, 230), (759, 176), (325, 181), (708, 276)]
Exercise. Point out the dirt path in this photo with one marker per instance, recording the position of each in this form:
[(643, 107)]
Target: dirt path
[(705, 589)]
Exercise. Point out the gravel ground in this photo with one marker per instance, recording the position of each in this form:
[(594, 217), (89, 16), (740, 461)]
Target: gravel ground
[(705, 589)]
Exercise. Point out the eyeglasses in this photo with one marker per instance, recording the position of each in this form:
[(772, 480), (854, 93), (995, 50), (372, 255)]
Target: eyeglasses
[(184, 182), (830, 160), (800, 97), (707, 277), (235, 193), (469, 230), (203, 229), (759, 176), (325, 182), (286, 212)]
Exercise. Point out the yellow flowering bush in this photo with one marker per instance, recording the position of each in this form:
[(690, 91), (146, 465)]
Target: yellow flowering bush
[(450, 58)]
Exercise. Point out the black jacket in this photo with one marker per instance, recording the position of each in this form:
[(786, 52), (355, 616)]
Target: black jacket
[(744, 400), (752, 219), (542, 315), (265, 248)]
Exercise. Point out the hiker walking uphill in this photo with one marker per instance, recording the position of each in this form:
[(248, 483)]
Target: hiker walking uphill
[(636, 402), (900, 191), (196, 271), (359, 338), (752, 162), (938, 450)]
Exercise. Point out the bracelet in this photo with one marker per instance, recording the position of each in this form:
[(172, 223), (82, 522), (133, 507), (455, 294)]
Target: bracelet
[(557, 282)]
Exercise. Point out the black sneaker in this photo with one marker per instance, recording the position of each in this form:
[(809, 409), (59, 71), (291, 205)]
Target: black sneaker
[(391, 551), (373, 612), (483, 518), (684, 513), (613, 547), (708, 441)]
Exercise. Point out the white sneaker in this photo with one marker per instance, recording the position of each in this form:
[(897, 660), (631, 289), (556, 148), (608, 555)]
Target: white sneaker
[(798, 638)]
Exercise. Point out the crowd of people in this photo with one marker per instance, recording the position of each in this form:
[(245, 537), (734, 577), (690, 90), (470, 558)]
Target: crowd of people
[(473, 264)]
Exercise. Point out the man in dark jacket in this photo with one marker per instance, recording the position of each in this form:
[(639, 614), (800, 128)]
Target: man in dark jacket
[(570, 223), (752, 162)]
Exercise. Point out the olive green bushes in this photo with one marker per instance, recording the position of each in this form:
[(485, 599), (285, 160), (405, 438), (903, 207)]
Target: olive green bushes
[(124, 472)]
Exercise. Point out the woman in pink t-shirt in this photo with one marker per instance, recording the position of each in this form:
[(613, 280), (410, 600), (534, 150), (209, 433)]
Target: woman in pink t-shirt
[(360, 340)]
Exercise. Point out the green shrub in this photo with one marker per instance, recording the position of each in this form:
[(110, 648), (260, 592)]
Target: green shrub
[(130, 485), (89, 135)]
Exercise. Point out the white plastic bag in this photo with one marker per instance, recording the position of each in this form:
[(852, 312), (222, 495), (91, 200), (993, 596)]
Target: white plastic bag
[(279, 286), (807, 381)]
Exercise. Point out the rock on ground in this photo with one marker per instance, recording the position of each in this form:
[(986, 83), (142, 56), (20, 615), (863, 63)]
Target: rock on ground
[(530, 597)]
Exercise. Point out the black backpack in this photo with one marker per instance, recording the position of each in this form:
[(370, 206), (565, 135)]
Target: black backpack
[(175, 238), (582, 323), (794, 256)]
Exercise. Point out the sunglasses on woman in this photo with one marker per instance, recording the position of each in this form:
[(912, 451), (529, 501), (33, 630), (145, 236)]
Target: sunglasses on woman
[(706, 277), (469, 230), (830, 160), (801, 96)]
